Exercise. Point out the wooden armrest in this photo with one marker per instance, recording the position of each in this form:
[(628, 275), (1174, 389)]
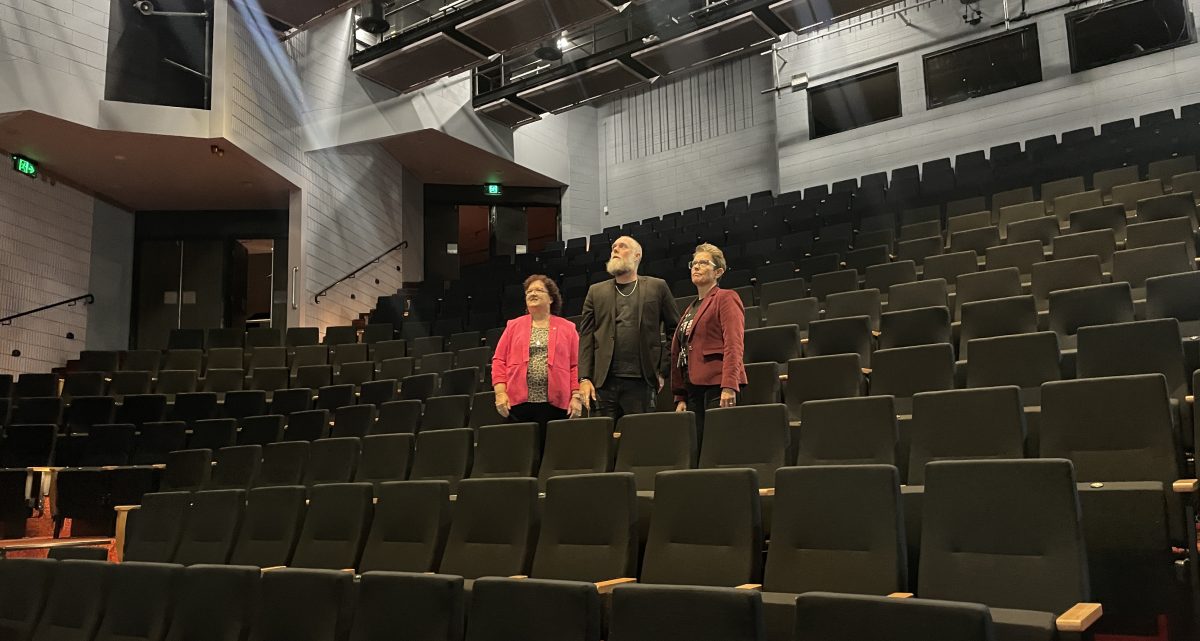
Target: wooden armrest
[(158, 466), (875, 333), (347, 570), (604, 587), (1080, 617), (750, 586), (1185, 486), (519, 576), (804, 341), (766, 491), (272, 568), (900, 595), (616, 435), (866, 370), (783, 377), (1189, 398), (45, 469), (126, 508)]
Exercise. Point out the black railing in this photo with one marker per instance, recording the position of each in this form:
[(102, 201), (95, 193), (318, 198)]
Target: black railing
[(87, 299), (400, 245)]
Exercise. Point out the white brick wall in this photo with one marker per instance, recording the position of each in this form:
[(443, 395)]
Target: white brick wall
[(351, 200), (45, 249), (686, 142), (566, 147), (64, 36)]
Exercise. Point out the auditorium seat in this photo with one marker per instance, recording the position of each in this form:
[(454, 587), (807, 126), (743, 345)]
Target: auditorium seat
[(1134, 266), (655, 442), (335, 525), (1128, 195), (781, 290), (819, 377), (140, 601), (1164, 232), (1175, 296), (917, 326), (74, 604), (533, 610), (156, 440), (1044, 230), (459, 381), (418, 386), (409, 529), (84, 412), (331, 397), (863, 302), (193, 407), (38, 409), (1022, 255), (283, 463), (1067, 273), (263, 337), (1176, 205), (753, 436), (503, 451), (576, 446), (849, 335), (261, 430), (1101, 243), (833, 282), (902, 372), (235, 468), (288, 401), (1025, 510), (353, 420), (377, 392), (996, 317), (435, 607), (443, 455), (211, 528), (331, 460), (24, 587), (799, 312), (493, 530), (1023, 360), (298, 604), (835, 528), (986, 285), (153, 530), (186, 470), (1071, 309), (827, 616), (884, 276), (308, 425), (445, 412), (271, 524), (930, 292), (848, 431), (950, 266), (82, 384), (979, 423)]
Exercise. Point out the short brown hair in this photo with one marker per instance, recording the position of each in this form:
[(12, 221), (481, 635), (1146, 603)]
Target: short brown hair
[(551, 288), (718, 256)]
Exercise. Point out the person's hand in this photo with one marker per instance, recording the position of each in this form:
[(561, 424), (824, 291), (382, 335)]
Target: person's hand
[(502, 404), (661, 382), (575, 409), (680, 406), (587, 392), (728, 397)]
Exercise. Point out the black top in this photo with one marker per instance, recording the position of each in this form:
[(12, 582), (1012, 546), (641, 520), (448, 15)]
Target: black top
[(685, 323), (627, 356)]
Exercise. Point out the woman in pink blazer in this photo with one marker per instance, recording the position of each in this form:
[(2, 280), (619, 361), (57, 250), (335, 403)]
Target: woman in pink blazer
[(535, 370)]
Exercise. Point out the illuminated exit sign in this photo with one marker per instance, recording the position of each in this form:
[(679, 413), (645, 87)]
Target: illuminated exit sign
[(25, 166), (492, 189)]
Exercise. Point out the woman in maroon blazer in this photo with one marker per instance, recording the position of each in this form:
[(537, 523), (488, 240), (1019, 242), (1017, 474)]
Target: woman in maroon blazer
[(535, 371), (706, 350)]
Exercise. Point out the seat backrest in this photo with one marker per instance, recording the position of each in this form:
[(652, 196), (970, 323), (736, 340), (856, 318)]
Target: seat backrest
[(588, 528), (108, 445), (396, 417), (283, 463), (28, 445), (272, 523), (918, 326), (930, 292), (817, 377), (1101, 242), (985, 422), (827, 616), (236, 467), (1139, 347), (334, 526), (154, 529), (779, 290), (863, 302), (1025, 511), (75, 603), (950, 266), (384, 457), (215, 603), (653, 443), (719, 545), (409, 528), (434, 607), (493, 529), (849, 335), (576, 446), (837, 527), (1174, 296), (1023, 256), (1134, 266), (683, 612), (307, 425), (288, 401), (1024, 360), (1067, 273), (996, 317), (24, 586), (211, 530), (986, 285), (1071, 309), (187, 470), (753, 436), (332, 460), (140, 601), (777, 344), (844, 280), (225, 358), (506, 451), (848, 431), (904, 371), (445, 412), (799, 312), (304, 605), (1178, 204), (443, 454)]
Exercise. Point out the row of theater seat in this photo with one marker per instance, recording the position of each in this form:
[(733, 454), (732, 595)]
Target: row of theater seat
[(96, 601)]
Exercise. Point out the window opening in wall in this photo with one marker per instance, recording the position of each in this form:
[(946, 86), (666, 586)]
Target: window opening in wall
[(1117, 31), (982, 67), (160, 52), (853, 102), (252, 282)]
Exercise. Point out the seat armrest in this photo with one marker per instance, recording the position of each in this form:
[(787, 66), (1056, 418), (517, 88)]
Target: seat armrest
[(783, 377), (126, 508), (605, 587), (750, 586), (1185, 486), (272, 568), (766, 491), (1079, 618), (900, 595), (519, 576)]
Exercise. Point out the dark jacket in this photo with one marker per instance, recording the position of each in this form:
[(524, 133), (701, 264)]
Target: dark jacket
[(598, 329), (715, 348)]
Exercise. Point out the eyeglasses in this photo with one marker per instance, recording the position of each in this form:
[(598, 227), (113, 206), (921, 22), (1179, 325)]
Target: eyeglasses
[(536, 291), (693, 263)]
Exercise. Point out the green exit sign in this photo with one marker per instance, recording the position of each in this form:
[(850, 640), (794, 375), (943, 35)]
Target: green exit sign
[(492, 189), (25, 166)]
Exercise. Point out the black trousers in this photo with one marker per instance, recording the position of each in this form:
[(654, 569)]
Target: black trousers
[(621, 396), (540, 413), (699, 399)]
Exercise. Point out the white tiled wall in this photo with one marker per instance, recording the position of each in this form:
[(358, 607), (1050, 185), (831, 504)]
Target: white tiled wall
[(566, 147), (45, 249), (69, 36)]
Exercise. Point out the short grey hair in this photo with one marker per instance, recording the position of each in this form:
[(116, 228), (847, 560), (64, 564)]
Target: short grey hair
[(718, 256), (636, 245)]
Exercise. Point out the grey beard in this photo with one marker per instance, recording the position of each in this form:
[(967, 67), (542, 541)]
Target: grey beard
[(618, 267)]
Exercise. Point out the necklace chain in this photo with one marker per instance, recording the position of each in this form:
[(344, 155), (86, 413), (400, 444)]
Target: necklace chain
[(631, 291)]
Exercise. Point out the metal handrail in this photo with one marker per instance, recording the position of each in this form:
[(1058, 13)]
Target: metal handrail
[(400, 245), (87, 299)]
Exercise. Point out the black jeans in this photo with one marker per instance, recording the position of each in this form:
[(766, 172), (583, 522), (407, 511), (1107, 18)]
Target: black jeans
[(699, 399), (621, 396), (540, 413)]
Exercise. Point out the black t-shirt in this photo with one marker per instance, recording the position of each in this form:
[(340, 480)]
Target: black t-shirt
[(685, 323), (627, 352)]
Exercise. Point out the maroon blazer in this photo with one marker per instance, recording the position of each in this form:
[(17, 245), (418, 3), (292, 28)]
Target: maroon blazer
[(715, 345)]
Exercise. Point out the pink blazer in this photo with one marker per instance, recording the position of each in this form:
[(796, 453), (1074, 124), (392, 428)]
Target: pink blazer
[(510, 365)]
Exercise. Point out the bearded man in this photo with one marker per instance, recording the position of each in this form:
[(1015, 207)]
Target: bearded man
[(623, 361)]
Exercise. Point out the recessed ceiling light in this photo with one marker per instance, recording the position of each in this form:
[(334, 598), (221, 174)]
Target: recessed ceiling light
[(118, 157)]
